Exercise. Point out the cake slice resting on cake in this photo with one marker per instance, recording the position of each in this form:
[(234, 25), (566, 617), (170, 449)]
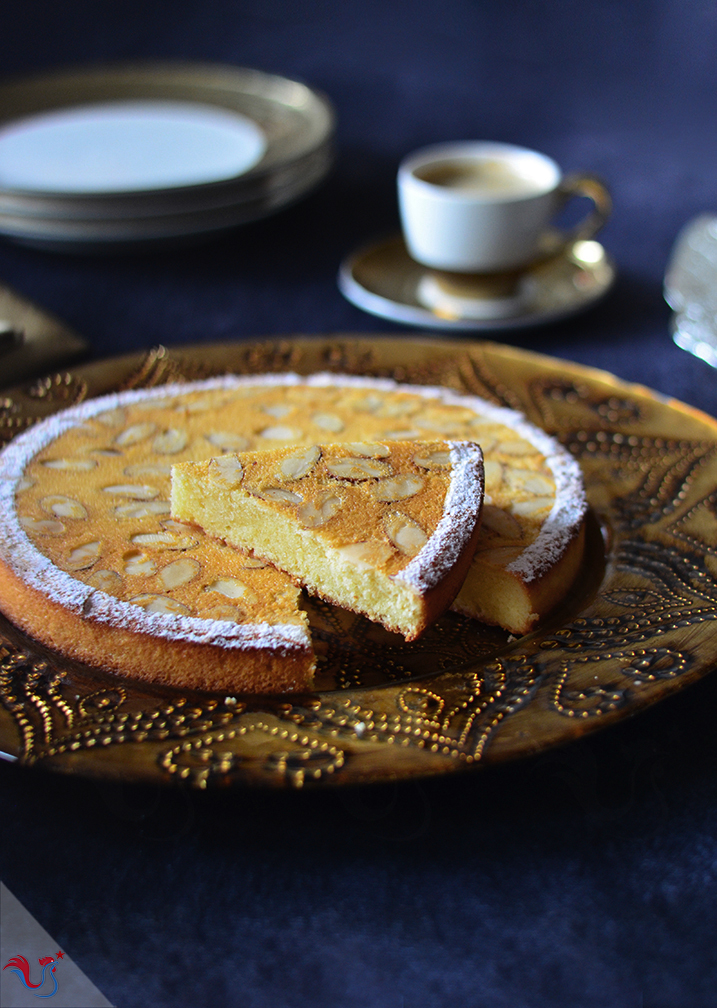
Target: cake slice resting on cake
[(383, 529)]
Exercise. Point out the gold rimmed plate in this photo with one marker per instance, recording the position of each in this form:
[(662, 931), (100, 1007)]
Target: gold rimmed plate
[(382, 279), (639, 625)]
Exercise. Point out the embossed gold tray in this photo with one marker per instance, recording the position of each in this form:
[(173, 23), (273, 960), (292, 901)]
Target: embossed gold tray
[(639, 625)]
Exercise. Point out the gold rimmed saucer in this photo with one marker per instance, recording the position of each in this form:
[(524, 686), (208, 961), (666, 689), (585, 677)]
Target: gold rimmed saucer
[(384, 280)]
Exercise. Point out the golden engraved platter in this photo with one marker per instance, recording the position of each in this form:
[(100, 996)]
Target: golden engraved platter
[(639, 625)]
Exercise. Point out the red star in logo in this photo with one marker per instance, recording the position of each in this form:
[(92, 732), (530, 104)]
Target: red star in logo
[(60, 955)]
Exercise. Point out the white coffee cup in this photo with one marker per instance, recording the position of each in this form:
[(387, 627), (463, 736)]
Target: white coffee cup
[(482, 207)]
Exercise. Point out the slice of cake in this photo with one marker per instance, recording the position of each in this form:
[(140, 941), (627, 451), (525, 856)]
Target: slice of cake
[(386, 529)]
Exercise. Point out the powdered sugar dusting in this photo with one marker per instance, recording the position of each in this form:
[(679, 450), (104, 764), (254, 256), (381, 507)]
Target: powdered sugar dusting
[(461, 511)]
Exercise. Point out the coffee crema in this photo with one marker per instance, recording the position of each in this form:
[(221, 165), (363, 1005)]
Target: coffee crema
[(489, 177)]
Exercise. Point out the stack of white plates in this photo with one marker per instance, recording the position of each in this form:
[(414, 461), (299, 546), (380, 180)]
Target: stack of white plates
[(141, 153)]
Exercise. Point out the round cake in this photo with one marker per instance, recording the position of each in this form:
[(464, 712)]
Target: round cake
[(93, 565)]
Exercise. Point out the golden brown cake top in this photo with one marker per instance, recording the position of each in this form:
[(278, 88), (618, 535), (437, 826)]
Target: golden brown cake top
[(84, 496)]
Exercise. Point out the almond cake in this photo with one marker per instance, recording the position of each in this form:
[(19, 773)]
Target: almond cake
[(93, 565)]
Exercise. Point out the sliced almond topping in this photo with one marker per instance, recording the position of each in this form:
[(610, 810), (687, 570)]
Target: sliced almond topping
[(493, 473), (75, 464), (138, 564), (161, 604), (501, 522), (539, 485), (148, 469), (357, 468), (369, 449), (134, 434), (398, 487), (226, 469), (170, 442), (406, 535), (328, 421), (227, 441), (233, 588), (397, 408), (251, 563), (112, 418), (281, 433), (82, 557), (278, 411), (314, 515), (24, 484), (106, 580), (440, 458), (106, 452), (179, 572), (366, 554), (410, 434), (516, 448), (279, 494), (532, 506), (43, 526), (137, 491), (164, 540), (143, 510), (63, 507), (369, 404), (300, 463)]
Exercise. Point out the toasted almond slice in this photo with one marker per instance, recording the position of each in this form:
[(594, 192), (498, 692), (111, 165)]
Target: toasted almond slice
[(73, 464), (106, 580), (532, 506), (406, 534), (164, 540), (438, 459), (300, 463), (357, 469), (369, 449), (223, 612), (179, 572), (135, 433), (148, 469), (281, 433), (312, 515), (161, 604), (227, 441), (501, 522), (328, 421), (233, 588), (279, 494), (398, 487), (43, 526), (82, 557), (493, 474), (63, 507), (136, 491), (226, 469), (139, 564), (112, 418), (143, 510), (170, 442)]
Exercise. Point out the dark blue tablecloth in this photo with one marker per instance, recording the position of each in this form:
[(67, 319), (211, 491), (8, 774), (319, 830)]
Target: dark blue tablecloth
[(582, 879)]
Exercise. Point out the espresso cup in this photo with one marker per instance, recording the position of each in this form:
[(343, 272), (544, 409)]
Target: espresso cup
[(481, 207)]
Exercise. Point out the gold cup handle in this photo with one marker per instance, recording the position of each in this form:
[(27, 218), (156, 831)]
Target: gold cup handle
[(595, 190)]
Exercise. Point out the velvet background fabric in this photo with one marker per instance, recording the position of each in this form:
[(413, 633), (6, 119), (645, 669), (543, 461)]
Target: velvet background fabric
[(584, 877)]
